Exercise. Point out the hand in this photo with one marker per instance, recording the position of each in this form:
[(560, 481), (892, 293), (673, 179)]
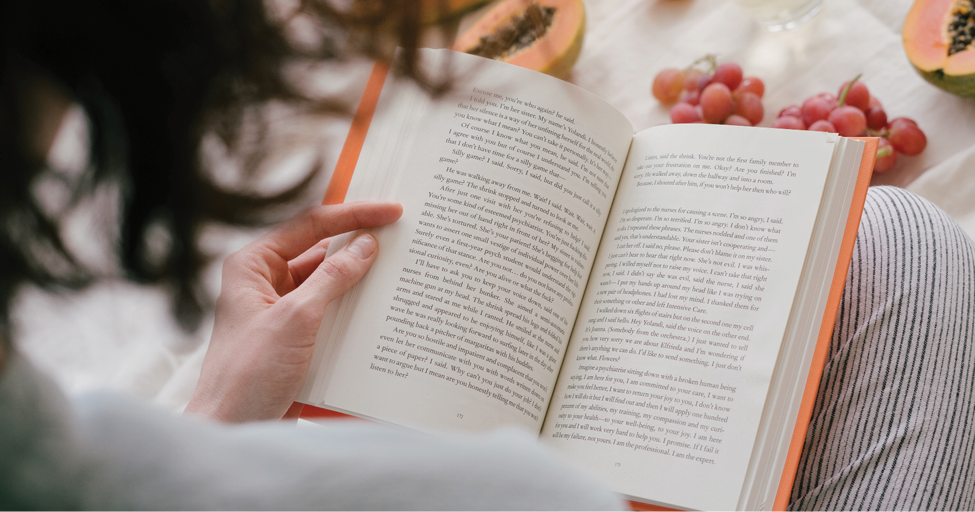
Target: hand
[(272, 300)]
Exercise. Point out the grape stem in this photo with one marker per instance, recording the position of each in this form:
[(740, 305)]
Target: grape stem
[(709, 58), (846, 90), (885, 151)]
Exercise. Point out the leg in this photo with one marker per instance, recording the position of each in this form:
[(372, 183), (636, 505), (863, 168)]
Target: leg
[(894, 421)]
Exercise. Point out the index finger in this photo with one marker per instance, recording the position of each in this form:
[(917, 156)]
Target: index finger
[(298, 234)]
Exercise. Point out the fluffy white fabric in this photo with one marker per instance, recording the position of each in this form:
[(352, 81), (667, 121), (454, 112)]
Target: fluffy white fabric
[(102, 451)]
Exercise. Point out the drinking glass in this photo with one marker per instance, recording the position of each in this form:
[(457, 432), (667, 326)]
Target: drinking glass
[(777, 15)]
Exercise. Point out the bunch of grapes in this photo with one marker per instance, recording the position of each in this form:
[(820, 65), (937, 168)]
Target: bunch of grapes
[(720, 95), (856, 113)]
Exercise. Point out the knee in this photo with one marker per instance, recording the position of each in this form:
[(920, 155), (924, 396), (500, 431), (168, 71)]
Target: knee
[(910, 261), (901, 230)]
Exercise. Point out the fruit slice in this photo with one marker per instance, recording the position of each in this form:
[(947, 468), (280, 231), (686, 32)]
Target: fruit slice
[(938, 38), (544, 35)]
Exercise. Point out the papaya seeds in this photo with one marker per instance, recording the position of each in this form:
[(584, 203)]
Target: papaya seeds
[(961, 28), (543, 35), (518, 33)]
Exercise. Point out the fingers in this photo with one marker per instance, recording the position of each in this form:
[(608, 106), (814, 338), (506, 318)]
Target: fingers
[(302, 266), (297, 235), (336, 274)]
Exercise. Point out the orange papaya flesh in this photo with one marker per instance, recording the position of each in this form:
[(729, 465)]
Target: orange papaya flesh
[(544, 35), (938, 37), (434, 11)]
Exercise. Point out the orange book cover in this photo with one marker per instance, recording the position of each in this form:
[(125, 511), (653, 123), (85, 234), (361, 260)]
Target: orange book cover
[(342, 176), (826, 330)]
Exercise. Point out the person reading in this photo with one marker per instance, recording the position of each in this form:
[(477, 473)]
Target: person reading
[(891, 429)]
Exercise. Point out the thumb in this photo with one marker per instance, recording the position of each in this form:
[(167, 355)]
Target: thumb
[(336, 274)]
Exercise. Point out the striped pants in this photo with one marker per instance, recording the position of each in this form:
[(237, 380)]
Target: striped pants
[(894, 422)]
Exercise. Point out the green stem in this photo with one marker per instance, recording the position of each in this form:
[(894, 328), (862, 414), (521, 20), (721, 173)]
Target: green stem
[(847, 90), (709, 58), (884, 151)]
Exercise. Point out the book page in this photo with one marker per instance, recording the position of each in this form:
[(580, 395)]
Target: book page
[(669, 366), (506, 183)]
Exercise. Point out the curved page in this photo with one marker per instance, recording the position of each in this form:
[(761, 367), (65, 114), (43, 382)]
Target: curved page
[(669, 365), (506, 183)]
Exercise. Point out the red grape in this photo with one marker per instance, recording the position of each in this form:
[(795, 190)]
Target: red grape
[(704, 81), (716, 103), (690, 97), (886, 157), (749, 106), (791, 110), (751, 84), (822, 126), (712, 93), (789, 122), (729, 74), (668, 84), (907, 138), (816, 108), (737, 120), (691, 77), (849, 121), (876, 118), (900, 120), (684, 113), (860, 114), (858, 96)]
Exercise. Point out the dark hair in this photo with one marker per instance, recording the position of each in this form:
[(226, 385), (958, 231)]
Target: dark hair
[(154, 76)]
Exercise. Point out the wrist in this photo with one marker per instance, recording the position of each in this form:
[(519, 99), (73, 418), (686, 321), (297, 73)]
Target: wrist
[(206, 403)]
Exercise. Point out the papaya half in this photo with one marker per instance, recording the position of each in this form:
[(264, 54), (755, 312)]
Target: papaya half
[(544, 35), (938, 37)]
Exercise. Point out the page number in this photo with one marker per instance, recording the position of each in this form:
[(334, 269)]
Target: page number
[(460, 416)]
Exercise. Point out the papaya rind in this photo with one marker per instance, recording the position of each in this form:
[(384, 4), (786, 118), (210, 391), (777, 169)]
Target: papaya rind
[(560, 68), (958, 85), (546, 55)]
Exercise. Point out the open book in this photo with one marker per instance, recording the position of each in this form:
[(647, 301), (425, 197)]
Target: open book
[(655, 306)]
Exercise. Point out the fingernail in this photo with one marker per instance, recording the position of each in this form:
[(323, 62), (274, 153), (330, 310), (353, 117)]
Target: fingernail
[(363, 246)]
